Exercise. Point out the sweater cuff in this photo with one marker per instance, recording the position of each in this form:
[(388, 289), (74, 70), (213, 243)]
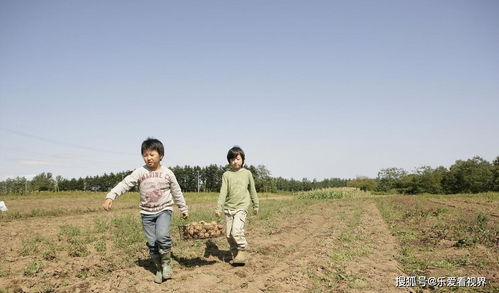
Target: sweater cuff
[(111, 196)]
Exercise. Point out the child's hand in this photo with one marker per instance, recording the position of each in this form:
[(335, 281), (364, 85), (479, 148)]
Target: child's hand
[(185, 215), (108, 203), (255, 212), (217, 214)]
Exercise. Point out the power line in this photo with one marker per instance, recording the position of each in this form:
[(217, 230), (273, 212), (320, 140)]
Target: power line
[(53, 141)]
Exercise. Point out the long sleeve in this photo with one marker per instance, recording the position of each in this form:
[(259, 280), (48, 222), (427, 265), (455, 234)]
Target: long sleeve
[(223, 194), (126, 184), (252, 191), (177, 194)]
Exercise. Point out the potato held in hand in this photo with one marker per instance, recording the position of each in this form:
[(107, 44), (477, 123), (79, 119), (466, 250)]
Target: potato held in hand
[(202, 230)]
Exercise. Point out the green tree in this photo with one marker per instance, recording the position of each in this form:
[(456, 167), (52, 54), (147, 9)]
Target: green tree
[(19, 185), (495, 182), (363, 183), (263, 180), (212, 177), (43, 182), (390, 179), (409, 184), (424, 180), (470, 176)]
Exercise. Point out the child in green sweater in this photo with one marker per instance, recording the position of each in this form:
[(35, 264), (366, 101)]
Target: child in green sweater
[(236, 194)]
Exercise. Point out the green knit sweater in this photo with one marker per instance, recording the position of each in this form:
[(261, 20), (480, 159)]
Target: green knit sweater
[(237, 191)]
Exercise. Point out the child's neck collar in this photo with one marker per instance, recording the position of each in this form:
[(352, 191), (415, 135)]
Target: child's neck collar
[(157, 169)]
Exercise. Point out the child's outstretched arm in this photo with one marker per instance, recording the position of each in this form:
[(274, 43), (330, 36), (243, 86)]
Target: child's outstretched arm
[(126, 184), (221, 197)]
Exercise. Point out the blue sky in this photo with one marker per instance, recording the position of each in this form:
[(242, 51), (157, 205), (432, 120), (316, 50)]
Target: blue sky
[(313, 89)]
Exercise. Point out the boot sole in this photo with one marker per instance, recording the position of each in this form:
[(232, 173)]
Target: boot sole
[(238, 263)]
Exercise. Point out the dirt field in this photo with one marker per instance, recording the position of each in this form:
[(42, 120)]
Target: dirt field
[(295, 246)]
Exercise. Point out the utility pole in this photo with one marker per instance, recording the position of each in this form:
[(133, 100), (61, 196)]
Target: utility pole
[(198, 180)]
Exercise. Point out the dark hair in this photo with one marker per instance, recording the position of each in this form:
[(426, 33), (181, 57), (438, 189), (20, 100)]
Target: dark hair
[(153, 144), (233, 152)]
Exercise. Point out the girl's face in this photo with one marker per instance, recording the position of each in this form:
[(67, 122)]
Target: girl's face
[(152, 159), (236, 163)]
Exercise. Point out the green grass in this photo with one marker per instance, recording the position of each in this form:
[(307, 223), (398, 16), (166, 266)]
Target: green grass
[(62, 194), (44, 213), (32, 268), (129, 197), (100, 246), (49, 252)]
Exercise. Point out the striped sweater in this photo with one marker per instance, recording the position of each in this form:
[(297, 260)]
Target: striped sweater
[(158, 190)]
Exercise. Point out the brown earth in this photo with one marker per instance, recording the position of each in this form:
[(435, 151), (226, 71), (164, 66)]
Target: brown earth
[(294, 253)]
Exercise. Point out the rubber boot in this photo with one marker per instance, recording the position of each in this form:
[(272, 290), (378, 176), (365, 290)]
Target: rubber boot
[(157, 264), (166, 262), (241, 257)]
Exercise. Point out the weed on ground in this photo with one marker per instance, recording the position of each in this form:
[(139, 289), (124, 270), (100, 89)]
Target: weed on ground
[(443, 236)]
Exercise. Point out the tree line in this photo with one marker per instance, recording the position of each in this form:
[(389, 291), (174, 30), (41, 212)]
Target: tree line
[(190, 178), (469, 176)]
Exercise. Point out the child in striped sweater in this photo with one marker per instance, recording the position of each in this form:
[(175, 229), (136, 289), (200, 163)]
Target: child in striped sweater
[(159, 190)]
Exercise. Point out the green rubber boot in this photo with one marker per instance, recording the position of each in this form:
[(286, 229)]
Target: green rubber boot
[(157, 264), (166, 262)]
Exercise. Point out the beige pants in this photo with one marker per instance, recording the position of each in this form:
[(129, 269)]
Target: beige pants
[(234, 228)]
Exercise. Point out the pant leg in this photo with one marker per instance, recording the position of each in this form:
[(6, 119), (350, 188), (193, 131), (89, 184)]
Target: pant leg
[(163, 238), (229, 219), (149, 226), (237, 231)]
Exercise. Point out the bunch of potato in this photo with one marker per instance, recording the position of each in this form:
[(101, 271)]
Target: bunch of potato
[(202, 230)]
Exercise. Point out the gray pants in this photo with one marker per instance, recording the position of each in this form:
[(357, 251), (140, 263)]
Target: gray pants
[(234, 228), (157, 231)]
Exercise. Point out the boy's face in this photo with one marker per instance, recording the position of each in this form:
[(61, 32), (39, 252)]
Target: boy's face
[(152, 159), (236, 163)]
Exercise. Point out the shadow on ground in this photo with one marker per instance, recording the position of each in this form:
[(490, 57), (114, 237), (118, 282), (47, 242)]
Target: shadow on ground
[(147, 264), (213, 250), (210, 250), (192, 262)]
